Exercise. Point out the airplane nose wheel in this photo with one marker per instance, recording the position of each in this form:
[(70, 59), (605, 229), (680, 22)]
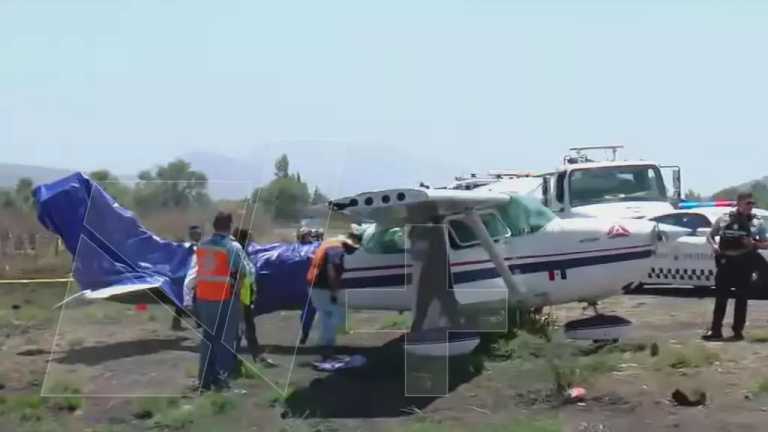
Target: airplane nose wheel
[(599, 328)]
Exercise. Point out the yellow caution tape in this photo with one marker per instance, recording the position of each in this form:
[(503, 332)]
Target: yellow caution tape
[(30, 281)]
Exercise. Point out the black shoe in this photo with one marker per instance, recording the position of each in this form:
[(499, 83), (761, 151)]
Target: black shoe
[(737, 336), (712, 336)]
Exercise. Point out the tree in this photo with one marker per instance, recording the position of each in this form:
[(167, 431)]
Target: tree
[(7, 200), (318, 197), (286, 196), (281, 166), (112, 186), (23, 193), (691, 195), (175, 185)]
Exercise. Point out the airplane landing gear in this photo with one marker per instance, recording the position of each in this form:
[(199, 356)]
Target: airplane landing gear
[(598, 328)]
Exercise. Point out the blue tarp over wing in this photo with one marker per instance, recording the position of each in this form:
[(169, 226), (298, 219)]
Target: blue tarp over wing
[(109, 246), (281, 270)]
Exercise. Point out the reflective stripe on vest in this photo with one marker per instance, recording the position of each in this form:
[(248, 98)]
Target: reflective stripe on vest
[(318, 261), (213, 274)]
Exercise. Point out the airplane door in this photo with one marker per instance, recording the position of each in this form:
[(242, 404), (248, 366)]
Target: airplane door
[(434, 301)]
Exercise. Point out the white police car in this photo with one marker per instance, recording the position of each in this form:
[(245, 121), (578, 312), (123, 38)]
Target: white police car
[(688, 260)]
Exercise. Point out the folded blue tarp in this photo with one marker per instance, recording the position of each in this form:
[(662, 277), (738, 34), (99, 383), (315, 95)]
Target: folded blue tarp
[(111, 248)]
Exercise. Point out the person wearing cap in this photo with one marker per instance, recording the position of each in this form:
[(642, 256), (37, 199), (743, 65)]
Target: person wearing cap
[(221, 262), (304, 235), (324, 279), (195, 234), (318, 234), (741, 233)]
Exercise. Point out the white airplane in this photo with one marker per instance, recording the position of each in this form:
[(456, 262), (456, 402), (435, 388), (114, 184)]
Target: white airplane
[(447, 254), (499, 247)]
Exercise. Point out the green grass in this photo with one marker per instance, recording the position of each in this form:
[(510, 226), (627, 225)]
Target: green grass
[(178, 417), (70, 399), (24, 409), (249, 371), (399, 322), (147, 408), (523, 347), (518, 425), (761, 388), (190, 371), (26, 315), (758, 336), (686, 357)]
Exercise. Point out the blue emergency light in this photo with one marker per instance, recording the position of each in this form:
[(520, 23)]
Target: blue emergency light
[(686, 205)]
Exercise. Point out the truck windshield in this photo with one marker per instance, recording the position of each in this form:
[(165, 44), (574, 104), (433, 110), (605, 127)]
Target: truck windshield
[(616, 184)]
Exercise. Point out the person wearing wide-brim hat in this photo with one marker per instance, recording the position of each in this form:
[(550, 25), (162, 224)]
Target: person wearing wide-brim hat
[(324, 279)]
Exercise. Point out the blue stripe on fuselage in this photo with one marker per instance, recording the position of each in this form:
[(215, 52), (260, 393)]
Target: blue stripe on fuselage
[(400, 280)]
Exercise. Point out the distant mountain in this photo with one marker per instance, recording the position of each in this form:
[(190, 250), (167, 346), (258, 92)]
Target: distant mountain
[(336, 169), (759, 189), (11, 173), (228, 177)]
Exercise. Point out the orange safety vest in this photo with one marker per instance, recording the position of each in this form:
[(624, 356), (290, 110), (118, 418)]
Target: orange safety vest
[(213, 274), (318, 261)]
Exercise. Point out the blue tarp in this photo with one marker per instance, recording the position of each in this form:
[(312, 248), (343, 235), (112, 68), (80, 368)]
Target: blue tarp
[(107, 242), (110, 247)]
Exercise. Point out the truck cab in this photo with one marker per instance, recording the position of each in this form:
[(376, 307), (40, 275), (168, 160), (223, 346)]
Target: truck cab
[(584, 187)]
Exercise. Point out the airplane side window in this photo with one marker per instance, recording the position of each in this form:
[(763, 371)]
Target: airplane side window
[(388, 241), (525, 215), (462, 234)]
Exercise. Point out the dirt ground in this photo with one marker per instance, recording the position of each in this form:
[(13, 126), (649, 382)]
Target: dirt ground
[(112, 367)]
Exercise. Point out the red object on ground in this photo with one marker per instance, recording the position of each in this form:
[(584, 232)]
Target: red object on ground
[(140, 307), (576, 394)]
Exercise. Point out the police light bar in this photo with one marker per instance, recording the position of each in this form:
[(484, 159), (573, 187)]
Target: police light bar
[(685, 205)]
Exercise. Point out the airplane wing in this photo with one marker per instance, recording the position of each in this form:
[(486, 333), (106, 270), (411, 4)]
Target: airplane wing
[(394, 207)]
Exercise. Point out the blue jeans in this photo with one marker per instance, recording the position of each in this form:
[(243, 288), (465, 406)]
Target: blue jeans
[(332, 316), (220, 321)]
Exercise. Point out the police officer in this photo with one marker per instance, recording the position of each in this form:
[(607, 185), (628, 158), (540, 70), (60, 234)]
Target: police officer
[(741, 234)]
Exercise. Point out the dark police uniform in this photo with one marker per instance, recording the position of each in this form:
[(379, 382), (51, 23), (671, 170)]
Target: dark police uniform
[(735, 264)]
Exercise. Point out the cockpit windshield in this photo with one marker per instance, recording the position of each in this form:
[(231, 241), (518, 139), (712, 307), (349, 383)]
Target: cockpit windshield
[(616, 184)]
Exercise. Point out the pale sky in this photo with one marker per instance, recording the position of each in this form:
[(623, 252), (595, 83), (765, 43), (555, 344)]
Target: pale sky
[(475, 85)]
